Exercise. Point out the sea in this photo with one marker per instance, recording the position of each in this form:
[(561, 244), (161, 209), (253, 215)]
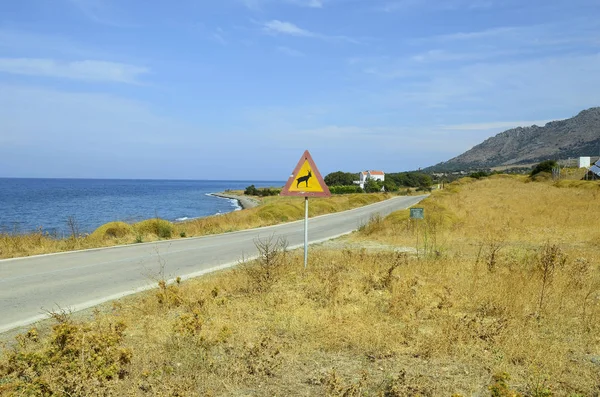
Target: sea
[(28, 204)]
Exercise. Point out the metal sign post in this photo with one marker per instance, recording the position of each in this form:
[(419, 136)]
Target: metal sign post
[(305, 232), (306, 181)]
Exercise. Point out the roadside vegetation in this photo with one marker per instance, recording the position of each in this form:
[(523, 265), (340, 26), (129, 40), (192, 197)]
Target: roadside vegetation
[(495, 293), (274, 210), (340, 182)]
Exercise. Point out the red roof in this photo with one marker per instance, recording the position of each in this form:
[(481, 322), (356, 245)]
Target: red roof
[(376, 172)]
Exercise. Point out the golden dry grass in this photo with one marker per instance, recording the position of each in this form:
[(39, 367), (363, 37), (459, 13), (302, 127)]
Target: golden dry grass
[(274, 210), (502, 300)]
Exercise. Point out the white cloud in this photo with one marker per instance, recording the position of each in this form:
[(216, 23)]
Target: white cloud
[(482, 34), (276, 26), (287, 28), (88, 70), (219, 36)]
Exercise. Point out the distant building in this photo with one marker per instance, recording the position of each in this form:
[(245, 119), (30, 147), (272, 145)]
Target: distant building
[(584, 162), (366, 175)]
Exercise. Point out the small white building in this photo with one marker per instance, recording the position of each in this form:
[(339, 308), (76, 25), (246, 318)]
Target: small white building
[(366, 175), (584, 162)]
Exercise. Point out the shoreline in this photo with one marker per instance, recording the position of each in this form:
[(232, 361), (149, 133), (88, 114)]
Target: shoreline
[(243, 202)]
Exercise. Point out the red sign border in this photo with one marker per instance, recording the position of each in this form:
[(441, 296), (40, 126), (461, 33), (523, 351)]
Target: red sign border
[(286, 190)]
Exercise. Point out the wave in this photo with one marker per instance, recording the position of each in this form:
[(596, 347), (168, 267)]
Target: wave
[(234, 202)]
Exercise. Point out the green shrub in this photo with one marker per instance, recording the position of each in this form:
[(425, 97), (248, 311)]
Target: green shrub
[(372, 186), (479, 174), (251, 191), (390, 186), (262, 192), (345, 189), (544, 166), (340, 178)]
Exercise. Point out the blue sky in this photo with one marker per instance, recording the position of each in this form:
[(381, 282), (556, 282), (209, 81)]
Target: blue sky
[(238, 89)]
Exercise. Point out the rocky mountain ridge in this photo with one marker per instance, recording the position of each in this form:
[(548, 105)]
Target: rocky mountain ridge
[(562, 139)]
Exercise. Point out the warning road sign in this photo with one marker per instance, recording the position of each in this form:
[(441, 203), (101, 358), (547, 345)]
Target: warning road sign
[(306, 180)]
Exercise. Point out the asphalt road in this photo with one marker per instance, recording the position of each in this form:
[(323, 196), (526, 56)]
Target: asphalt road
[(32, 286)]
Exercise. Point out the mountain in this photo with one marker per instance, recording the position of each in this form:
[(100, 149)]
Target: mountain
[(574, 137)]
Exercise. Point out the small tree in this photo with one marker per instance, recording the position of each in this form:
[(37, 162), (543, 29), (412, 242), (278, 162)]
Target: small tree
[(340, 178), (372, 186), (544, 166), (251, 191), (390, 186)]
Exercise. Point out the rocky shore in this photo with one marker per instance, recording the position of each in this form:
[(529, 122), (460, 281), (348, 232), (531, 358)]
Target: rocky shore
[(245, 202)]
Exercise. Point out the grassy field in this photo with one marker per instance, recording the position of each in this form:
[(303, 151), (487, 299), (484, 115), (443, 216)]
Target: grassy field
[(272, 211), (502, 299)]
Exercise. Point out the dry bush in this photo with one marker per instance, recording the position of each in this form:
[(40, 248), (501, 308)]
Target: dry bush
[(155, 227), (75, 359), (113, 230)]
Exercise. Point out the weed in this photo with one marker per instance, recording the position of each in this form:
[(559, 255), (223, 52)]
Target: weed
[(374, 225), (551, 259), (266, 269), (335, 386), (75, 359), (263, 358), (500, 387), (400, 385), (538, 387)]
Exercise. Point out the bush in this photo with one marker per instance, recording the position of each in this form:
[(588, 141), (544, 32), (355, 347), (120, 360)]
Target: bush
[(251, 191), (544, 166), (345, 189), (113, 230), (75, 360), (372, 186), (340, 178), (262, 192), (479, 174), (390, 186), (156, 226)]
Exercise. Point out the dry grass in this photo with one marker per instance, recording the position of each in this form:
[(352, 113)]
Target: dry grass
[(503, 300), (274, 210)]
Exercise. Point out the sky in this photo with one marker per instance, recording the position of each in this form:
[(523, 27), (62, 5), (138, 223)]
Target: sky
[(238, 89)]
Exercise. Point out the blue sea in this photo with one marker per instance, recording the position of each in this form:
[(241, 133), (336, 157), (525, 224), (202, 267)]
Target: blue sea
[(30, 204)]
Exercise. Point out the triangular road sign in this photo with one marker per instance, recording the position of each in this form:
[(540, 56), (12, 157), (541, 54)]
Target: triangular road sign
[(306, 180)]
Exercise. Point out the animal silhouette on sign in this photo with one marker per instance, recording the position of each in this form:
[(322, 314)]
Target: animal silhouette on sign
[(304, 178)]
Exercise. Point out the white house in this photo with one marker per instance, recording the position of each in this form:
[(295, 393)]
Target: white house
[(584, 162), (366, 175)]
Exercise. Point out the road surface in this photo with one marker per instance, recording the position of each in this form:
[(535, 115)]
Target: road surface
[(32, 286)]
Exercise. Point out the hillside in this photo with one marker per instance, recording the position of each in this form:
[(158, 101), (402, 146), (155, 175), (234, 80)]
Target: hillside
[(574, 137)]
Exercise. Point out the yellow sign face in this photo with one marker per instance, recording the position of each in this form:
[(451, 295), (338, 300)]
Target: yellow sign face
[(306, 181)]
